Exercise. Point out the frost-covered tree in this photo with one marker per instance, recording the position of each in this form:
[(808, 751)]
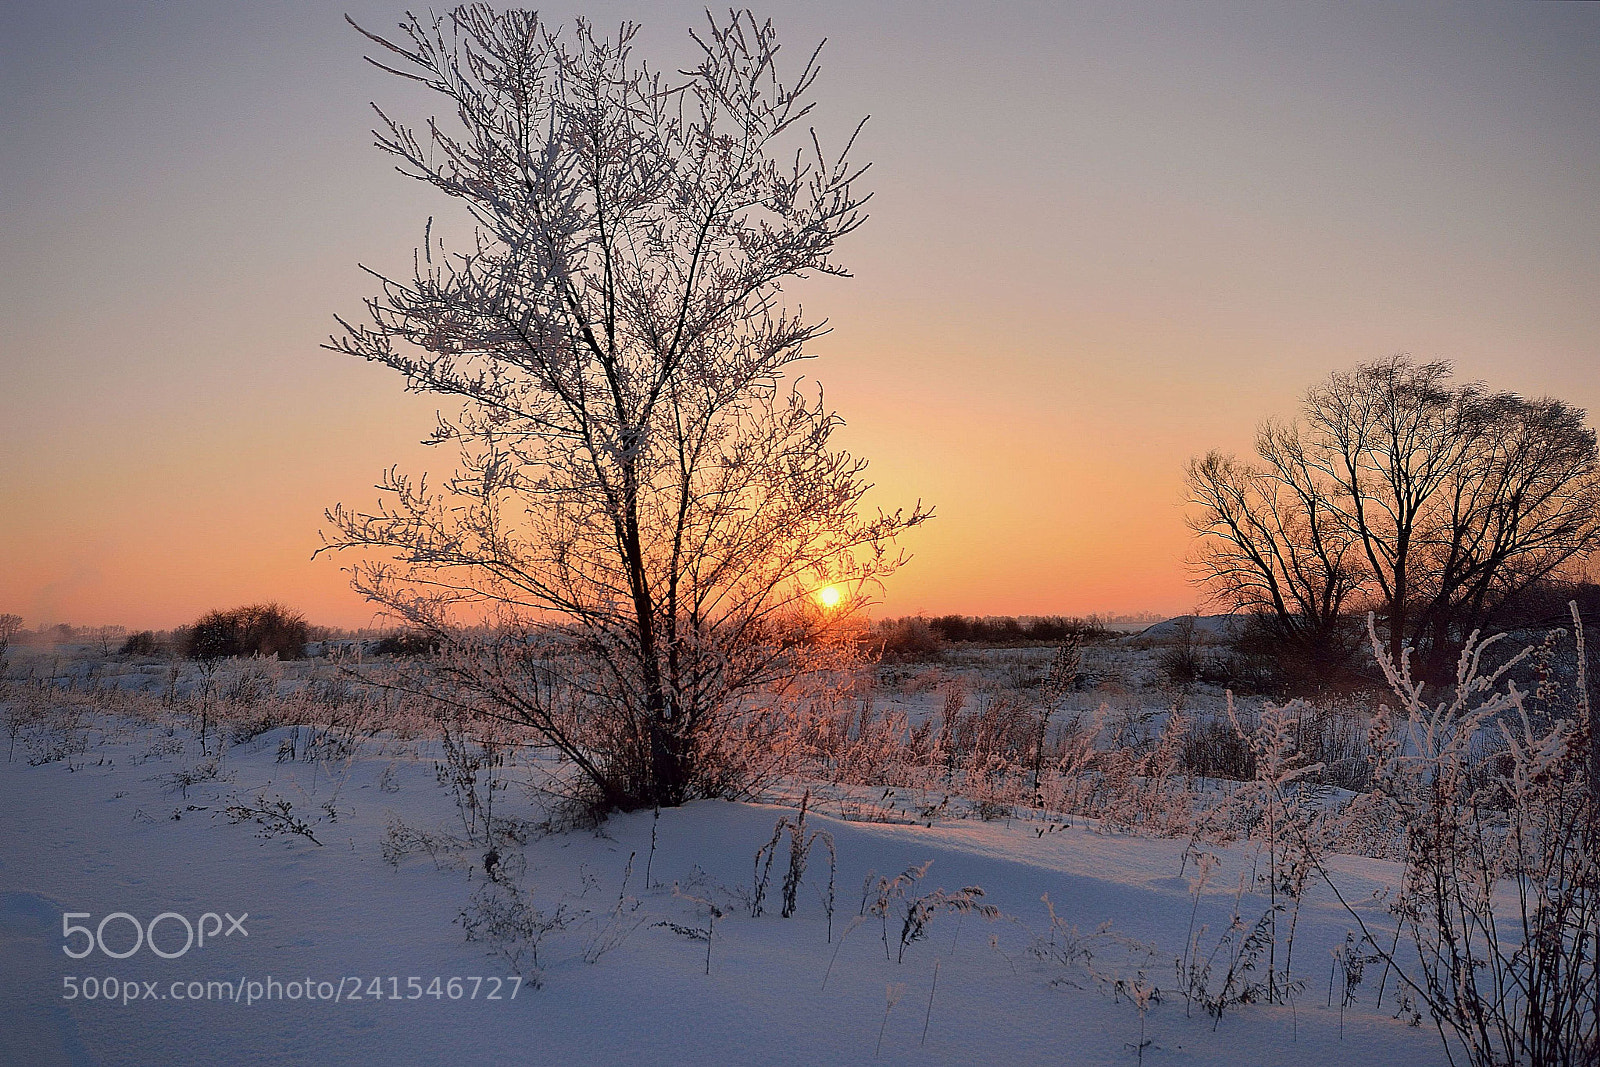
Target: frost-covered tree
[(646, 499)]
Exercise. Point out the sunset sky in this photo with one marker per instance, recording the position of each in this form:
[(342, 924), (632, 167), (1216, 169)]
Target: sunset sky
[(1104, 238)]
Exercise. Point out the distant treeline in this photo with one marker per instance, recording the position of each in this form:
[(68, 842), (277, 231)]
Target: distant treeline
[(255, 630), (1012, 630), (918, 635)]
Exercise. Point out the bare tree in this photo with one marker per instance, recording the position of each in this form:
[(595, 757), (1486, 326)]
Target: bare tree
[(1271, 543), (1441, 503), (108, 638), (646, 499), (10, 626)]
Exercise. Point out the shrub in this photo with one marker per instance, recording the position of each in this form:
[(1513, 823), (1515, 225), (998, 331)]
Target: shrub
[(1181, 661), (142, 643), (910, 638), (1212, 748), (1500, 894), (1268, 657), (405, 643), (258, 630)]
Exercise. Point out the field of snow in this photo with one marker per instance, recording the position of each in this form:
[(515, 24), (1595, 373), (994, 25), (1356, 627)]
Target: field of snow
[(375, 907)]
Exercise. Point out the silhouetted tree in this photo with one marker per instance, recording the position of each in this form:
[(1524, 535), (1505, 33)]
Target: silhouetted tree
[(1439, 503)]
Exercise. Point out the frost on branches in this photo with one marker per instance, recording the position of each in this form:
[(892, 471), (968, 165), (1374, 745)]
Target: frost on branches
[(622, 566)]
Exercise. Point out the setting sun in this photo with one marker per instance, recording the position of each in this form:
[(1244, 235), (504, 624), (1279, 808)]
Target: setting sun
[(828, 596)]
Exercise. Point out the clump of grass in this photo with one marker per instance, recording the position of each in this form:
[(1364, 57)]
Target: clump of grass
[(182, 780), (714, 912), (891, 996), (919, 913), (1141, 993), (1239, 953), (891, 897), (274, 817), (620, 921), (503, 916), (800, 845)]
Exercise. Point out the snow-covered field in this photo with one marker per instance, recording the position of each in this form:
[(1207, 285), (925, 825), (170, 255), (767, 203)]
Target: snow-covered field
[(369, 919)]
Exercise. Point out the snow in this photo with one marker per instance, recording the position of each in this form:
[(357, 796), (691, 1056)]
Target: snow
[(96, 833), (1205, 629)]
